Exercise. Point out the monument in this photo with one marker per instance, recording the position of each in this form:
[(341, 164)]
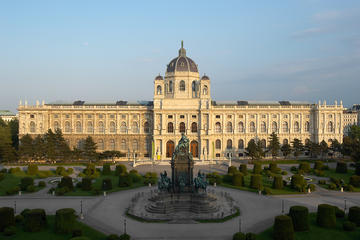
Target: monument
[(182, 197)]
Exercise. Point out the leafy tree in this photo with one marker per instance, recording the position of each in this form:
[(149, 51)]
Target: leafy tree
[(335, 146), (285, 149), (14, 131), (39, 148), (351, 143), (26, 148), (89, 149), (255, 150), (324, 149), (7, 151), (314, 149), (274, 145), (298, 147)]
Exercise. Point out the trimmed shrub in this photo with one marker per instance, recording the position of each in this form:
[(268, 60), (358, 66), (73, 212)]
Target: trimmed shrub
[(319, 173), (60, 170), (349, 226), (26, 182), (77, 232), (35, 220), (332, 186), (339, 213), (357, 169), (284, 173), (304, 166), (238, 179), (9, 231), (7, 218), (112, 237), (243, 169), (42, 184), (228, 178), (257, 168), (80, 238), (326, 216), (124, 236), (267, 191), (14, 170), (2, 176), (32, 169), (256, 181), (70, 170), (232, 169), (24, 212), (120, 169), (125, 180), (322, 182), (239, 236), (150, 178), (341, 167), (106, 169), (107, 184), (355, 181), (300, 218), (61, 191), (135, 177), (278, 182), (283, 228), (19, 218), (312, 187), (250, 236), (349, 188), (31, 189), (293, 169), (66, 182), (65, 220), (273, 167), (319, 165), (13, 191), (86, 184), (354, 215), (297, 180)]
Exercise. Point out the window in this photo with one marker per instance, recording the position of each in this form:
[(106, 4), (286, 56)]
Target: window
[(263, 127), (218, 144), (170, 86), (241, 116), (90, 127), (296, 127), (218, 127), (158, 90), (274, 115), (170, 116), (252, 116), (285, 116), (135, 145), (296, 115), (182, 85), (89, 116), (123, 144), (67, 127), (285, 141), (263, 143), (252, 127), (146, 127), (101, 127), (285, 127), (274, 127), (241, 127), (56, 116), (32, 116), (123, 127), (170, 127), (78, 127), (135, 127), (194, 127), (112, 116), (263, 116), (182, 116), (241, 144), (112, 127), (229, 144), (330, 126), (307, 126), (217, 116), (78, 116), (32, 127), (112, 144), (229, 127), (67, 116), (101, 145), (205, 90), (182, 127), (228, 116), (193, 116), (123, 116), (101, 115), (56, 125)]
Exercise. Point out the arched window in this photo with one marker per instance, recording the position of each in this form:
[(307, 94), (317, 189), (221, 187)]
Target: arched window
[(263, 143), (169, 148), (330, 126), (229, 127), (101, 127), (263, 127), (229, 144), (56, 125), (146, 127), (170, 127), (112, 127), (90, 127), (112, 145), (78, 127), (296, 127), (285, 141), (241, 127), (101, 145), (274, 127), (135, 127), (218, 127), (170, 86), (285, 127), (307, 127), (123, 127), (32, 127), (182, 127), (194, 148), (123, 144), (205, 90), (182, 85), (252, 127), (218, 144), (241, 144), (135, 145), (194, 127), (194, 89), (67, 127), (158, 90)]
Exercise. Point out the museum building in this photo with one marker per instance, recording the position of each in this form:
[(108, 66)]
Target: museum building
[(182, 104)]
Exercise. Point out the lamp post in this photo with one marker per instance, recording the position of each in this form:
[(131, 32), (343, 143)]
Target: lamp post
[(81, 210), (345, 205), (124, 225), (15, 206), (282, 206), (240, 224)]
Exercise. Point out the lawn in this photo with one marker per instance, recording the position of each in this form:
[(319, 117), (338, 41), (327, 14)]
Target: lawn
[(290, 161), (48, 233), (317, 232)]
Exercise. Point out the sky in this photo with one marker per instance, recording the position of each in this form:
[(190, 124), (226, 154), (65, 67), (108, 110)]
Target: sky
[(105, 51)]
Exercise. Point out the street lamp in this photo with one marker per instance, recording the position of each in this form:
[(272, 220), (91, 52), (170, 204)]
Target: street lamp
[(81, 210), (345, 205), (124, 225), (239, 223)]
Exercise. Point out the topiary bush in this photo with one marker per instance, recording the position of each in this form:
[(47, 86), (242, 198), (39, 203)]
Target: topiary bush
[(341, 167), (35, 220), (107, 184), (125, 180), (2, 176), (32, 169), (232, 170), (7, 218), (66, 182), (250, 236), (319, 165), (312, 187), (31, 189), (112, 237), (256, 181), (297, 180), (354, 215), (9, 231), (19, 218), (65, 220), (42, 184), (106, 169), (300, 218), (283, 228), (326, 216), (339, 213), (349, 188), (278, 182), (76, 232), (273, 167), (355, 181), (243, 169), (26, 182), (13, 190), (257, 168), (124, 236), (239, 236), (267, 191), (238, 179), (120, 169), (305, 167), (349, 226), (135, 177), (86, 183)]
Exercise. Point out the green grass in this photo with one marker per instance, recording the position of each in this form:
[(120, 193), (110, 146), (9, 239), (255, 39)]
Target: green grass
[(291, 161), (48, 233), (316, 232)]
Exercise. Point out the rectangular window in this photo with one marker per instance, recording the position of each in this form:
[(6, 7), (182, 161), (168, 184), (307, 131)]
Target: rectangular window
[(252, 116), (285, 116), (32, 116), (182, 116), (170, 116), (123, 116), (78, 116), (67, 116), (263, 116), (101, 116), (112, 116), (217, 116), (193, 116), (228, 116), (89, 116), (296, 115), (241, 116), (56, 116), (217, 155), (274, 115)]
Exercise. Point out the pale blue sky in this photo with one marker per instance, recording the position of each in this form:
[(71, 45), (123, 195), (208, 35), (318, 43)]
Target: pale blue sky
[(105, 51)]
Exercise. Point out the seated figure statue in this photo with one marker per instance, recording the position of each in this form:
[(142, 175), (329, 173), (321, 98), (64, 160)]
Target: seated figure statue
[(164, 183)]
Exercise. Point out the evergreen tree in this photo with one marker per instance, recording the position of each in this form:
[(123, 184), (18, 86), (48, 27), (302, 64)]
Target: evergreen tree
[(254, 150), (39, 148), (298, 147), (89, 149), (285, 149), (274, 145), (324, 148), (351, 143), (14, 131), (335, 146), (314, 149), (7, 151), (26, 148)]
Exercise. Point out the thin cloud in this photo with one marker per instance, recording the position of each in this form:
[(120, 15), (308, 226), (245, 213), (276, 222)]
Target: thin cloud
[(328, 15), (85, 44), (307, 32)]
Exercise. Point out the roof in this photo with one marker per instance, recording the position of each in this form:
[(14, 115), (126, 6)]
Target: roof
[(270, 103), (121, 103), (182, 63), (6, 113)]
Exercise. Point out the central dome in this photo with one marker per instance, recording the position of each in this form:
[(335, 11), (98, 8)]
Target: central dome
[(182, 63)]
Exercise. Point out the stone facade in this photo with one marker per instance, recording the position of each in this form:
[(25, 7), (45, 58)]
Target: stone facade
[(182, 104)]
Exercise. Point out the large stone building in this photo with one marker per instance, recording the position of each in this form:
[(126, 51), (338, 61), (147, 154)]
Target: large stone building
[(7, 116), (182, 104)]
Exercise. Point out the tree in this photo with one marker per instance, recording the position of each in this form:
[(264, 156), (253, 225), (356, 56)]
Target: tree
[(14, 131), (351, 143), (285, 149), (274, 145), (39, 148), (323, 148), (89, 149), (298, 147), (254, 149), (7, 151), (335, 146), (314, 149), (26, 148)]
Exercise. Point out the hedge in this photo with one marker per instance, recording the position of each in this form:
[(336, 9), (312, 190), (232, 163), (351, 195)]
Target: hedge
[(243, 169), (354, 215), (112, 237), (341, 167), (257, 168), (256, 181), (35, 220), (300, 218), (250, 236), (339, 213), (278, 182), (124, 236), (326, 216), (297, 180), (107, 184), (239, 236), (106, 169), (238, 179), (232, 169), (120, 169), (32, 169), (66, 182), (135, 177), (86, 183), (283, 228), (357, 169), (26, 182), (7, 218), (65, 220), (273, 167), (319, 165), (355, 181), (125, 180), (305, 167), (349, 226)]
